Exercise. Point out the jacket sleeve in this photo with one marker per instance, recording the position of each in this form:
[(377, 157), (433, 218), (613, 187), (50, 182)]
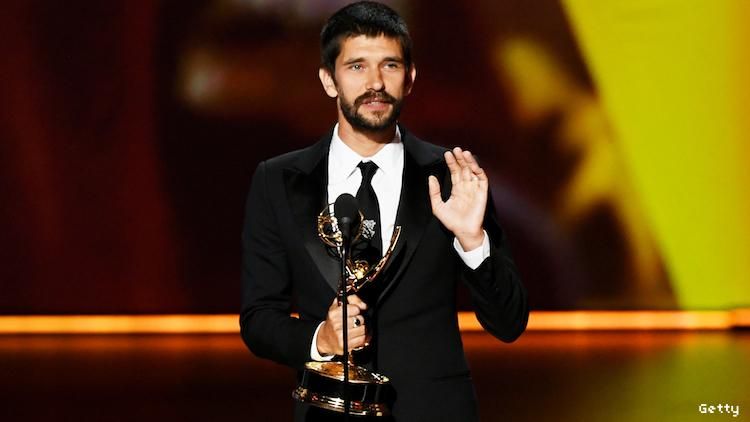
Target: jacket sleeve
[(267, 328), (498, 296)]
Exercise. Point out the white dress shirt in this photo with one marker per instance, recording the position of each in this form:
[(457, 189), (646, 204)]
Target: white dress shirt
[(345, 177)]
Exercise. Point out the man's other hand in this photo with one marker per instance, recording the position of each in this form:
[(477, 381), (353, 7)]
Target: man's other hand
[(463, 212), (331, 335)]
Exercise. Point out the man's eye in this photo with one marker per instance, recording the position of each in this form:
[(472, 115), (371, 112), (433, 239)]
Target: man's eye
[(392, 65), (356, 67)]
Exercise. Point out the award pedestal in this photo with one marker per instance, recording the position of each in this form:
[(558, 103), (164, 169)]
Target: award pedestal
[(322, 386)]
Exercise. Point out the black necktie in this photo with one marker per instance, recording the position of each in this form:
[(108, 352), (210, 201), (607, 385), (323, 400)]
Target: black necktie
[(368, 202)]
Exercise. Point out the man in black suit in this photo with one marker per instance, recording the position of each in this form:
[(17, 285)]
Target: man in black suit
[(407, 318)]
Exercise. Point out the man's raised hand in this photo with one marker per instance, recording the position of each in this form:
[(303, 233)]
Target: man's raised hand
[(463, 212)]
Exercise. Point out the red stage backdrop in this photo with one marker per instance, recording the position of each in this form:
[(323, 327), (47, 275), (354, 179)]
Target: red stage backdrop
[(130, 131)]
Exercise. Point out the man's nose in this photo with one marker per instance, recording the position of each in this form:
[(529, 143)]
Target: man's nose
[(375, 80)]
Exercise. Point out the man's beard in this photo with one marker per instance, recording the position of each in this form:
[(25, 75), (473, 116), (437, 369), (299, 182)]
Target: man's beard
[(381, 121)]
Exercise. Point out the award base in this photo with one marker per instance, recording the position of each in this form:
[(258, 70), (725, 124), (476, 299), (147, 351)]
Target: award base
[(322, 386)]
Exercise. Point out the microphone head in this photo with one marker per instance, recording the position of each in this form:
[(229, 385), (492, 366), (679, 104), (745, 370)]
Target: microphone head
[(346, 207), (346, 210)]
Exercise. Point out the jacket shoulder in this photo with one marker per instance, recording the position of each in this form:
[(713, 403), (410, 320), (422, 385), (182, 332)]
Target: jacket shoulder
[(425, 153), (288, 159)]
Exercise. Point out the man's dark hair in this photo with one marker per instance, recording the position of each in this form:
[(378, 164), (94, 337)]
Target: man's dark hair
[(366, 18)]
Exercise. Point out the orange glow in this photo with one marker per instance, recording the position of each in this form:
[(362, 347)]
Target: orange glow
[(632, 320), (119, 324), (228, 324), (741, 318)]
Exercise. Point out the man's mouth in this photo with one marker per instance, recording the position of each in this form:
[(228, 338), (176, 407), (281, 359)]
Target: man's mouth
[(376, 104), (376, 101)]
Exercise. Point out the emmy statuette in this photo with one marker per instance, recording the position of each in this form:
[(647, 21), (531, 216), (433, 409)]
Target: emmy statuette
[(324, 384)]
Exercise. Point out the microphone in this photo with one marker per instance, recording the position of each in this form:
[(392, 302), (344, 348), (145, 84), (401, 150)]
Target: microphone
[(346, 210)]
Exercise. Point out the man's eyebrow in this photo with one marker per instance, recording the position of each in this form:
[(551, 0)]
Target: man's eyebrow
[(354, 60)]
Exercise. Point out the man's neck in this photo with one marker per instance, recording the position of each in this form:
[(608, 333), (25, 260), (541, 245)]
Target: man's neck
[(365, 143)]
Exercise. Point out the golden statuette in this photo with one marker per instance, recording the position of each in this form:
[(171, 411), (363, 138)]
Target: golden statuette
[(322, 383)]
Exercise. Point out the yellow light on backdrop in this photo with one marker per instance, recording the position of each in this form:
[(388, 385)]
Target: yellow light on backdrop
[(673, 75)]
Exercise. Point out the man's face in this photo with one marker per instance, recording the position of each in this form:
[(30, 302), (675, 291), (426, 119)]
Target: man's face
[(370, 82)]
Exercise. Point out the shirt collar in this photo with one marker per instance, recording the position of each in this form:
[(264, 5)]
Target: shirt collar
[(344, 160)]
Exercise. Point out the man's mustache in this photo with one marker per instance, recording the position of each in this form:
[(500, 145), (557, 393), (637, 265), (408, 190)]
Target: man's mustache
[(382, 97)]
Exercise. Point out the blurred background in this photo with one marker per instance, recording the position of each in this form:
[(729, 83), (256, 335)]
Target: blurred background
[(615, 135)]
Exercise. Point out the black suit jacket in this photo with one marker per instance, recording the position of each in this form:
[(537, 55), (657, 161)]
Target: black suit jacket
[(416, 341)]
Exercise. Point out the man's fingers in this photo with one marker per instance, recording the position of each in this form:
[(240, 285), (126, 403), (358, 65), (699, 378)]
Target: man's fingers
[(453, 166), (352, 300), (357, 341), (469, 168), (357, 338), (459, 154), (461, 158), (466, 174), (474, 165), (356, 321), (356, 328), (335, 312), (356, 332), (356, 301), (434, 187), (353, 310), (334, 316), (469, 158)]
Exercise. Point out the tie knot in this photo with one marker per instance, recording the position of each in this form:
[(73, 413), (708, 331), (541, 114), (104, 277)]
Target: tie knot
[(368, 170)]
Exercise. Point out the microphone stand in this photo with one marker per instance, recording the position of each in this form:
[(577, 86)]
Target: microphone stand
[(344, 301)]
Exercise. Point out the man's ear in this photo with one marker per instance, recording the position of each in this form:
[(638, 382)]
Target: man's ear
[(329, 85), (411, 75)]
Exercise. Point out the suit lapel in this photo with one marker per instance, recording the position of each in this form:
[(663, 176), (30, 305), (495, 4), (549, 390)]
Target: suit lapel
[(306, 186), (414, 210)]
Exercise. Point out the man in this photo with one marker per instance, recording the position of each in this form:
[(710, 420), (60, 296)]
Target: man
[(407, 318)]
